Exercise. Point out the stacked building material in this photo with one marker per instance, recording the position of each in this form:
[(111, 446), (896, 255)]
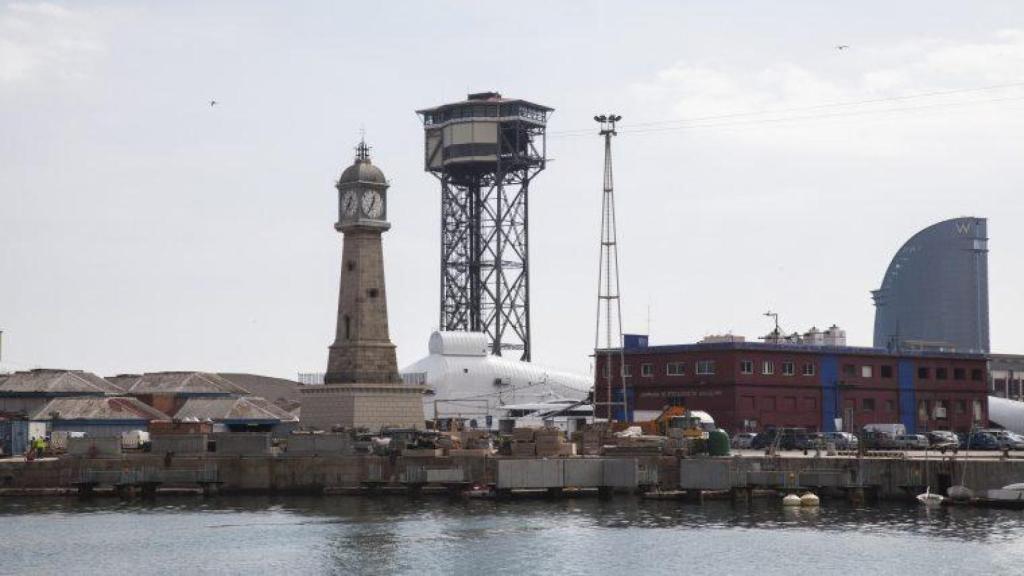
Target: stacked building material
[(592, 442), (548, 441), (523, 444)]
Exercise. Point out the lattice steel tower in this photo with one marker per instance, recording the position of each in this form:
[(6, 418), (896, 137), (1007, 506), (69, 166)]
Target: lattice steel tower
[(609, 306), (485, 151)]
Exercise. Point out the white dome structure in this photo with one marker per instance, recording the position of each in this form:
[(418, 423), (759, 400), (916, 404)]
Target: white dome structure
[(465, 381)]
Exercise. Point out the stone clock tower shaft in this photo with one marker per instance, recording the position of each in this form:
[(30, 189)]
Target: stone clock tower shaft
[(362, 389), (362, 350)]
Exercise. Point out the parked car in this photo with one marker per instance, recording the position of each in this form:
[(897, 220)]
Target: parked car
[(943, 440), (783, 439), (882, 436), (979, 441), (842, 440), (878, 440), (912, 442), (743, 440), (1007, 440)]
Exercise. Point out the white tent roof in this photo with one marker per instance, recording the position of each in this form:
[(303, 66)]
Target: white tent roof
[(1007, 413), (467, 381)]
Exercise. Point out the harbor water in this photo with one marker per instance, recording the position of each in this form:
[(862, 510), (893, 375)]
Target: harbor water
[(401, 535)]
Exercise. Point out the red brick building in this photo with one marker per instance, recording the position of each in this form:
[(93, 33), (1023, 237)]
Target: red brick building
[(751, 386)]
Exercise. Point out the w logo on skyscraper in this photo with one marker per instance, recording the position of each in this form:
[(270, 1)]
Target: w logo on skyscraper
[(963, 227)]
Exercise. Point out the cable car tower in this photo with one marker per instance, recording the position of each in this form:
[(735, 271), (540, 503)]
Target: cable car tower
[(485, 151)]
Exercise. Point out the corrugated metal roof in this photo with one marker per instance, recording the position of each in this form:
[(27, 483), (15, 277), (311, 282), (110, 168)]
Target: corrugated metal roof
[(280, 391), (98, 408), (219, 409), (50, 381), (182, 383)]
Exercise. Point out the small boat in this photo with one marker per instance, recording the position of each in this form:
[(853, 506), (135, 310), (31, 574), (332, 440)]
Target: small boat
[(1016, 486), (929, 499), (810, 499), (791, 500)]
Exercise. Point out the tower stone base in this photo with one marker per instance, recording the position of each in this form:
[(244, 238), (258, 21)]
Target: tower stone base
[(370, 406)]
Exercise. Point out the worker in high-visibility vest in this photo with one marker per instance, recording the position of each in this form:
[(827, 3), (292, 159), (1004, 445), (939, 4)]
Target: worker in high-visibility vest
[(40, 446)]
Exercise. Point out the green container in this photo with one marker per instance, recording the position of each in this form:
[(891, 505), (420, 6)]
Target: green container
[(718, 443)]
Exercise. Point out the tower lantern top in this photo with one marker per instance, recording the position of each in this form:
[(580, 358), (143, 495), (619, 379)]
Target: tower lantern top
[(362, 170)]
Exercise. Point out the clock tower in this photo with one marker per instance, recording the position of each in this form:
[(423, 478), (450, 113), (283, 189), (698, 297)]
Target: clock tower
[(362, 387)]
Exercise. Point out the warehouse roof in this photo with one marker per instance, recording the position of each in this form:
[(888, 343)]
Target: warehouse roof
[(232, 409), (56, 382), (179, 383), (282, 392), (98, 408)]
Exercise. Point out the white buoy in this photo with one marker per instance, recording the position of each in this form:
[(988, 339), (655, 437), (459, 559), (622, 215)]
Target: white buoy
[(791, 500), (809, 499)]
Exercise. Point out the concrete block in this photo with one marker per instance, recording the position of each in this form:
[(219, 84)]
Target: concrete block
[(178, 443), (95, 447), (327, 444), (583, 472), (526, 474), (241, 443), (445, 475), (620, 473), (702, 474)]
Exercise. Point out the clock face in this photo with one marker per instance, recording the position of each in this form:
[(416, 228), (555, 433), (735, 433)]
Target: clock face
[(349, 202), (373, 204)]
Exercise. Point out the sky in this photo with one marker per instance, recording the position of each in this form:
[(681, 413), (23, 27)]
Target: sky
[(757, 168)]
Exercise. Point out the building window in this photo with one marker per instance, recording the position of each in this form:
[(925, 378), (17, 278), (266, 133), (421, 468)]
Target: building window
[(976, 375), (808, 368), (922, 411), (977, 409), (886, 371), (647, 369), (706, 367), (372, 292), (923, 372), (348, 328), (675, 368), (607, 369), (890, 406), (866, 371), (746, 367), (788, 369), (941, 373), (627, 370), (849, 369), (960, 406), (939, 410), (959, 374), (868, 404), (768, 367)]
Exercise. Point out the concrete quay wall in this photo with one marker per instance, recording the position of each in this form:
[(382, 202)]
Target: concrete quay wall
[(887, 477)]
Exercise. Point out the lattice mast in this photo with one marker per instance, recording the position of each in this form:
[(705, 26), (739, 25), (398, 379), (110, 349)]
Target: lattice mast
[(485, 151), (608, 333)]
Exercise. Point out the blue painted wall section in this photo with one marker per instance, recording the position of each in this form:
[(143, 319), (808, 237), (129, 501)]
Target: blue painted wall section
[(630, 404), (829, 371), (908, 401)]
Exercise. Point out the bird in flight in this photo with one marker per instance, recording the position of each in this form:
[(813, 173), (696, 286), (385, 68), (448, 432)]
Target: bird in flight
[(213, 102), (842, 47)]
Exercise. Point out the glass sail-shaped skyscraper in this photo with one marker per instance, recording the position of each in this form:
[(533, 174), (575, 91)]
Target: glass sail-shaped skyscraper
[(935, 291)]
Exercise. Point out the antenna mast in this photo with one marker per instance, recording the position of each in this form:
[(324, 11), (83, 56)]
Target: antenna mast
[(609, 306)]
